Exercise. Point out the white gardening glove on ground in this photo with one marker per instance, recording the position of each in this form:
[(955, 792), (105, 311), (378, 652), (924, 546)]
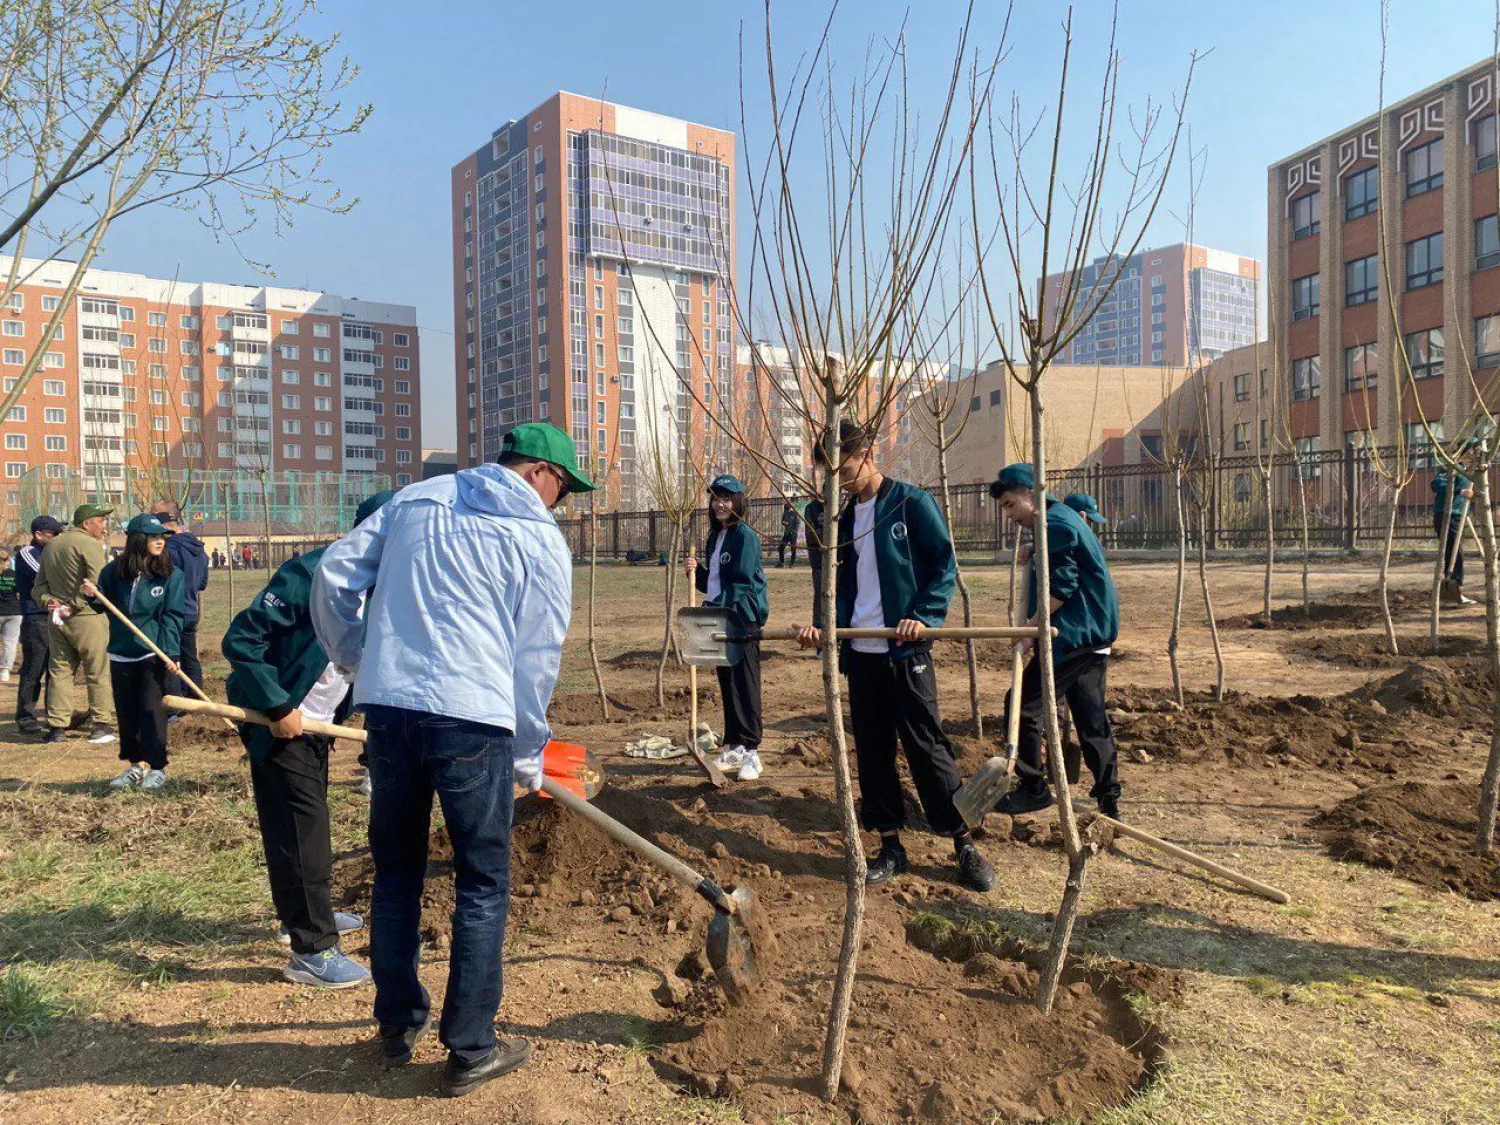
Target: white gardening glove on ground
[(529, 773)]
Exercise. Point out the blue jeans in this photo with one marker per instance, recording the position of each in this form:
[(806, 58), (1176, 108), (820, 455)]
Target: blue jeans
[(414, 754)]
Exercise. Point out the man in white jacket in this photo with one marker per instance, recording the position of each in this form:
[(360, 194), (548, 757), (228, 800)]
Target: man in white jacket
[(470, 590)]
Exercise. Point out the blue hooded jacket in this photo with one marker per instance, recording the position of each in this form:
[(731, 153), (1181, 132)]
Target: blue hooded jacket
[(189, 556)]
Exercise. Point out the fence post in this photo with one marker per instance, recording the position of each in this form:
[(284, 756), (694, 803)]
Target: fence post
[(614, 534), (1351, 508), (651, 534)]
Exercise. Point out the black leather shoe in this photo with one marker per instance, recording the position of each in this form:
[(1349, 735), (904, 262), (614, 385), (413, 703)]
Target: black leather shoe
[(27, 725), (1019, 801), (1110, 807), (506, 1057), (886, 866), (398, 1043), (973, 871), (56, 734)]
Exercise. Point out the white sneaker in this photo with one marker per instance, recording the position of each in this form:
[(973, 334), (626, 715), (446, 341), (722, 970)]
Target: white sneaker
[(129, 779), (730, 758), (154, 779), (365, 788), (750, 765)]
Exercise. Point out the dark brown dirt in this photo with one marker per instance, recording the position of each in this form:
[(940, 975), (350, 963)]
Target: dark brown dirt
[(1422, 831), (1360, 609), (1368, 649)]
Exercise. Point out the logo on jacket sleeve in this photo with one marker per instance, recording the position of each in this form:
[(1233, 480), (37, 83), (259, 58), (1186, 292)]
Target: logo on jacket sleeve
[(724, 559), (898, 531), (158, 591)]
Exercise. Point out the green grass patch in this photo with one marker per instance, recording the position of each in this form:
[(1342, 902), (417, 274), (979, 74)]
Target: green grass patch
[(30, 1005)]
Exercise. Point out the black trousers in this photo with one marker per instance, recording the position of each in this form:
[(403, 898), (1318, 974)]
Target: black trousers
[(897, 698), (739, 685), (786, 541), (1081, 680), (187, 660), (291, 798), (1454, 545), (138, 687), (34, 653), (816, 562)]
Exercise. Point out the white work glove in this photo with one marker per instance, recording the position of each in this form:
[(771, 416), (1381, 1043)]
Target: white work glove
[(529, 773)]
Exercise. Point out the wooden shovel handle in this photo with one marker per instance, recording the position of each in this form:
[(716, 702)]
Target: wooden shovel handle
[(1265, 890), (243, 715), (972, 633)]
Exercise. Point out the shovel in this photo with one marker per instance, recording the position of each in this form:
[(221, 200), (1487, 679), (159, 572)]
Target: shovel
[(991, 781), (737, 925), (709, 636), (714, 774)]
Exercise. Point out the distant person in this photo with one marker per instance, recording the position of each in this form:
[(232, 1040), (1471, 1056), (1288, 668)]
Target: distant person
[(10, 615), (812, 519), (470, 592), (34, 651), (189, 557), (144, 585), (278, 668), (732, 577), (77, 630), (790, 522), (245, 555), (1451, 504), (1087, 507)]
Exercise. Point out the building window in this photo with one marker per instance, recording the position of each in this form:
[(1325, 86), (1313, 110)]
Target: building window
[(1308, 466), (1486, 242), (1241, 388), (54, 387), (291, 377), (156, 319), (1361, 192), (15, 441), (56, 443), (402, 363), (1424, 261), (1487, 341), (1419, 439), (55, 415), (1424, 168), (403, 387), (291, 451), (1307, 375), (15, 328), (1484, 143), (1306, 215), (1424, 351), (1361, 281), (1361, 366), (1241, 436), (1305, 297)]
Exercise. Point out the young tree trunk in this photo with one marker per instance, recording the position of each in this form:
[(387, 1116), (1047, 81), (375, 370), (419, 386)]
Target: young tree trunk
[(229, 554), (1383, 583), (1489, 787), (1270, 548), (854, 855), (1439, 576), (265, 501), (1174, 635), (670, 598), (1208, 605), (1067, 913), (963, 586), (1302, 505), (593, 593)]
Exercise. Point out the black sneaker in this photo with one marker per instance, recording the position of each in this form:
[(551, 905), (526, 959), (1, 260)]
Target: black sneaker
[(507, 1056), (886, 866), (56, 734), (103, 733), (1110, 807), (398, 1043), (1019, 801), (29, 725), (973, 871)]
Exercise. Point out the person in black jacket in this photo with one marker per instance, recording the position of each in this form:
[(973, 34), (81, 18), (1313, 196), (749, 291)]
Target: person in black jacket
[(10, 615), (733, 578), (790, 521), (189, 556), (34, 650)]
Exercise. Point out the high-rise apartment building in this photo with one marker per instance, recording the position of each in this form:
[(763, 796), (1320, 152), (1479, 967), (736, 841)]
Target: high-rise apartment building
[(1340, 317), (590, 246), (1160, 299), (153, 376)]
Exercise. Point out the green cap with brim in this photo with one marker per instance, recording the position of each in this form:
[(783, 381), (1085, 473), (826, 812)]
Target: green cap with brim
[(146, 524), (88, 512), (726, 482), (1017, 475), (372, 504), (546, 442), (1085, 505)]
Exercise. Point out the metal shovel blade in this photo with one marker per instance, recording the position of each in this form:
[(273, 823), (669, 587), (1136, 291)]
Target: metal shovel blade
[(977, 796), (706, 635), (733, 943)]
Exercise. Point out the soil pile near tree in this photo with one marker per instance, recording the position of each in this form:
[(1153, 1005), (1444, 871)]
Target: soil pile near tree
[(1357, 610)]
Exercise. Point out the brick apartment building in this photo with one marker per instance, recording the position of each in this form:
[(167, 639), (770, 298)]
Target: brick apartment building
[(589, 244), (1159, 298), (1425, 168), (151, 375)]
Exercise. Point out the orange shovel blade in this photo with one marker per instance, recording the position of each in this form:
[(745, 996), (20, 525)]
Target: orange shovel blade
[(574, 767)]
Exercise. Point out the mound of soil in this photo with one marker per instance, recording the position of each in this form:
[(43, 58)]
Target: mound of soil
[(1369, 649), (1422, 831), (1359, 610), (941, 1032), (581, 708)]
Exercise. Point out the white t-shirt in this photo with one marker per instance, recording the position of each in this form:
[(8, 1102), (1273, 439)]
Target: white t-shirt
[(868, 612), (715, 585), (324, 697)]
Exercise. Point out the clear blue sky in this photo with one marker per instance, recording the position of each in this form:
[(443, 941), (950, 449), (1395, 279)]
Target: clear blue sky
[(1281, 75)]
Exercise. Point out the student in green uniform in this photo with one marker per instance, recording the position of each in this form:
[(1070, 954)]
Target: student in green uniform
[(1450, 503), (1086, 615), (1087, 507), (896, 569), (277, 667), (144, 585), (732, 577)]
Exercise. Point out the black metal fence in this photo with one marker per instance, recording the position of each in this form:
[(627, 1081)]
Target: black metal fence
[(1344, 502)]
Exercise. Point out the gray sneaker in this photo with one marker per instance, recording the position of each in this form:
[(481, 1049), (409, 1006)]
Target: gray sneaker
[(343, 923), (328, 969), (102, 733), (131, 778), (154, 779), (364, 788)]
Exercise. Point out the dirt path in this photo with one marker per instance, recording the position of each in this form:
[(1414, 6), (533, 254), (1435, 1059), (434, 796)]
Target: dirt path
[(1370, 998)]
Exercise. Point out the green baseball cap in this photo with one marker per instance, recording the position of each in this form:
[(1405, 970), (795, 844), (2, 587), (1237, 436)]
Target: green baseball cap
[(546, 442), (88, 512), (726, 482), (146, 525)]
